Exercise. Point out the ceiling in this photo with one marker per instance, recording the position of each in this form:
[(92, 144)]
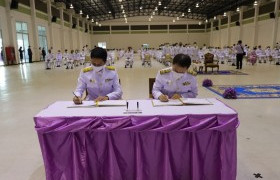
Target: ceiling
[(102, 10)]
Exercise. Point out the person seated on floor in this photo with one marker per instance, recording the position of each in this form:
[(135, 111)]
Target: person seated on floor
[(100, 82), (175, 82)]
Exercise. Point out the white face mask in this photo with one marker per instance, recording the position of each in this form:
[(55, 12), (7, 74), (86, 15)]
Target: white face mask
[(97, 68), (177, 75)]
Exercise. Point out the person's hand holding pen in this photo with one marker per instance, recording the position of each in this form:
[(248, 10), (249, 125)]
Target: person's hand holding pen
[(77, 100)]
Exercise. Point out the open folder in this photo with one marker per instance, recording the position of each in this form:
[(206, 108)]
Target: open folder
[(182, 102), (109, 103)]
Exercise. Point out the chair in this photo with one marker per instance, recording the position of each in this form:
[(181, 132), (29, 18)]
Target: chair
[(151, 84), (209, 62), (147, 60)]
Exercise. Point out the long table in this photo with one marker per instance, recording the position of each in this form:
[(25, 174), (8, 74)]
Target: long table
[(162, 143)]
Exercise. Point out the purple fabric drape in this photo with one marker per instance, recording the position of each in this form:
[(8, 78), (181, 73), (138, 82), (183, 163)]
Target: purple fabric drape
[(186, 147)]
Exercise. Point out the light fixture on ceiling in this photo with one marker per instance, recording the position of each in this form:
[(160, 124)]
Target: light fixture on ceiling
[(225, 14), (159, 3), (123, 11), (110, 12), (92, 20), (124, 15), (156, 9), (96, 23), (199, 23), (237, 9), (206, 21), (141, 7), (99, 25), (255, 3), (152, 16), (215, 17), (81, 12), (121, 6), (189, 10), (178, 18), (71, 6), (165, 7), (197, 5), (154, 13), (120, 0), (173, 21), (183, 14), (87, 17)]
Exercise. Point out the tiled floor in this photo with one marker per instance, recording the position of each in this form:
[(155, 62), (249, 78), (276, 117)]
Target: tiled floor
[(26, 89)]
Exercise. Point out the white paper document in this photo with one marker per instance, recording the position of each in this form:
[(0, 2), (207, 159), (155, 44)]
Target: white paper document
[(91, 104), (182, 102)]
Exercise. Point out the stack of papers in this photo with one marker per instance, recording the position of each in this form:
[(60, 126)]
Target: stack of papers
[(109, 103), (182, 102)]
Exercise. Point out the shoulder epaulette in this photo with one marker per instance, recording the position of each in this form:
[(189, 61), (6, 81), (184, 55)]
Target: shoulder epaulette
[(112, 68), (87, 69), (192, 72), (164, 71)]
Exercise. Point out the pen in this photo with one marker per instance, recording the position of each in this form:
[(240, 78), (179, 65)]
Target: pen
[(127, 105), (75, 95), (137, 105)]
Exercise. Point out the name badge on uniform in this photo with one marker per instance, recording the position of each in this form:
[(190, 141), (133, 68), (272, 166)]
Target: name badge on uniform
[(92, 81), (186, 83), (108, 80)]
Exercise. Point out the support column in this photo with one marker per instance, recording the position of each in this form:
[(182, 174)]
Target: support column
[(49, 7), (11, 31), (220, 31), (275, 23), (71, 12), (241, 10), (211, 33), (228, 29), (255, 32), (35, 48), (62, 39), (78, 32)]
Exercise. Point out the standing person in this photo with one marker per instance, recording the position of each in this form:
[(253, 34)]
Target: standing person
[(40, 53), (30, 54), (21, 55), (44, 54), (239, 54)]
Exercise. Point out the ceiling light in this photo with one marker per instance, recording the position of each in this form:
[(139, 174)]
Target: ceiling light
[(215, 17), (120, 0), (87, 17), (156, 9), (123, 11), (71, 6), (199, 23), (174, 20), (197, 5), (141, 7), (189, 10), (159, 3), (121, 6), (178, 18), (110, 12), (99, 25), (154, 13), (255, 3), (183, 14), (165, 7), (81, 12), (124, 15), (92, 20), (206, 21), (225, 14), (152, 17), (238, 9), (96, 23)]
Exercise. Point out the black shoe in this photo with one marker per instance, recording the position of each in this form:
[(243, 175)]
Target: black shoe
[(67, 68), (71, 67)]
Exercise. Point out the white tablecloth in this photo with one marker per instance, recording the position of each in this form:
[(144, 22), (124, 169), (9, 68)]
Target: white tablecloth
[(60, 109)]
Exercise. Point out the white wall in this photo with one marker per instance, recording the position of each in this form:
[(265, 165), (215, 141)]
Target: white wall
[(265, 29)]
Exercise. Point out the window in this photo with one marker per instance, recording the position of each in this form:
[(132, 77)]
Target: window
[(102, 45), (22, 39), (43, 43)]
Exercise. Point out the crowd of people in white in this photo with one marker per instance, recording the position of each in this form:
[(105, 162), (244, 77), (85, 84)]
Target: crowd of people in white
[(164, 54)]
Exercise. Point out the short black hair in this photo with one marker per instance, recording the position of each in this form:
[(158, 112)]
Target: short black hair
[(239, 42), (99, 52), (182, 60)]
